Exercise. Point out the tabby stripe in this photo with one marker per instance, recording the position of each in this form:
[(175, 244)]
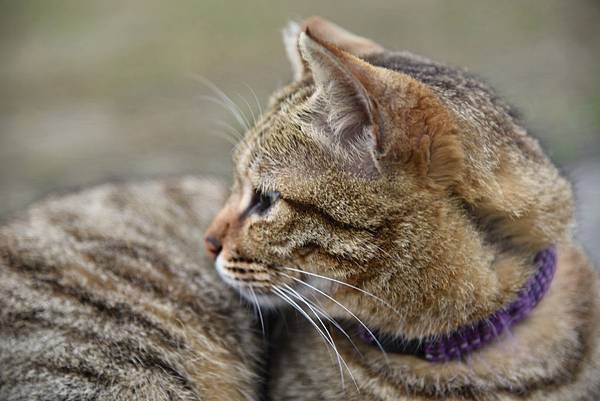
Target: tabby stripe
[(34, 385), (13, 322), (99, 379), (184, 300), (82, 370), (128, 354), (110, 266), (109, 263), (134, 276), (121, 311), (310, 208), (181, 199), (83, 335), (137, 250)]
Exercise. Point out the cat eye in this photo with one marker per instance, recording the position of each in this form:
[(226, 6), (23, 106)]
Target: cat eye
[(262, 201)]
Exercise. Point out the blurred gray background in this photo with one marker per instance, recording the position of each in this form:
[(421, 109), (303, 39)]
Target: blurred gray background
[(93, 90)]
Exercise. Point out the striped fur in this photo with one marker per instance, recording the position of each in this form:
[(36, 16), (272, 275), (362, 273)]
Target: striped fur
[(390, 191), (106, 295)]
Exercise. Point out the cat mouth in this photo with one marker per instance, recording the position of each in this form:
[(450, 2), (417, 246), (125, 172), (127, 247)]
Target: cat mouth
[(238, 272), (254, 279), (264, 283)]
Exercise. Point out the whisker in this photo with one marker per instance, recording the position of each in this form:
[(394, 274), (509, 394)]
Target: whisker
[(319, 310), (232, 136), (295, 294), (347, 310), (237, 135), (227, 136), (312, 322), (249, 108), (260, 110), (226, 100), (277, 291), (229, 106), (240, 146), (347, 285), (255, 301)]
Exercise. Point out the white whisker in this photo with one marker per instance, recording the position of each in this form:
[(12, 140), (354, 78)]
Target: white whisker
[(228, 136), (225, 101), (290, 291), (347, 310), (319, 309), (231, 107), (249, 108), (232, 136), (282, 294), (237, 135), (344, 284), (255, 301), (260, 110), (277, 291)]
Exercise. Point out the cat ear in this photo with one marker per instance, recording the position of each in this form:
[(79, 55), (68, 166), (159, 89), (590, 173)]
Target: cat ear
[(333, 34), (343, 110), (351, 99)]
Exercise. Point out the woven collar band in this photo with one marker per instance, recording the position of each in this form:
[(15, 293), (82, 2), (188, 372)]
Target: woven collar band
[(470, 338)]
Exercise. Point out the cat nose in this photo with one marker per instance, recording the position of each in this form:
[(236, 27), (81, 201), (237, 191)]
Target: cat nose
[(213, 245)]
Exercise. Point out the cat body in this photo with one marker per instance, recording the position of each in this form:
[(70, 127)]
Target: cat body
[(105, 295), (382, 192), (390, 193)]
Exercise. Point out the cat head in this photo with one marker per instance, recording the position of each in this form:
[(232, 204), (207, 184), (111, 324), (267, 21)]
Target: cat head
[(385, 173)]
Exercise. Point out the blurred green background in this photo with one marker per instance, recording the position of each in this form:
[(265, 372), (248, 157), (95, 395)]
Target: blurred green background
[(101, 89)]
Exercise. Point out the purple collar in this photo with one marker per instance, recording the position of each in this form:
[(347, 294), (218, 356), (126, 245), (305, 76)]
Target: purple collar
[(467, 339)]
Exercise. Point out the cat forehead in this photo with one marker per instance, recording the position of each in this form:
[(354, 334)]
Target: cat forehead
[(277, 140)]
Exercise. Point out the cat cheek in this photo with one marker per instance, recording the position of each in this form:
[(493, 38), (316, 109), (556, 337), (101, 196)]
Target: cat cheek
[(256, 233)]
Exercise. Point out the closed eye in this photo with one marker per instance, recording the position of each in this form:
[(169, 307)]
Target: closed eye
[(261, 202)]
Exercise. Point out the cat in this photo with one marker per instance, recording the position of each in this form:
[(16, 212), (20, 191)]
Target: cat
[(106, 294), (422, 235)]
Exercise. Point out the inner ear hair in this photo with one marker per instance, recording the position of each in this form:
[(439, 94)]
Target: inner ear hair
[(343, 105), (350, 107), (346, 110)]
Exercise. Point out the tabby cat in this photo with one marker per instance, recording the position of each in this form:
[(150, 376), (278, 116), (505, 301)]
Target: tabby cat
[(106, 295), (422, 235)]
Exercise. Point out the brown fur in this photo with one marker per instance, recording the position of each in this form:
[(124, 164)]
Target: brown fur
[(106, 295), (414, 182)]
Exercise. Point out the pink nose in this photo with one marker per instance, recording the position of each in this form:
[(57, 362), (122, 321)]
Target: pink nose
[(213, 245)]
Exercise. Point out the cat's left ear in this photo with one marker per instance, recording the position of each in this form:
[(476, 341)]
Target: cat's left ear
[(336, 36)]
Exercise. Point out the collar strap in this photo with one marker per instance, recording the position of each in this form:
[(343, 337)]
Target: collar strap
[(469, 338)]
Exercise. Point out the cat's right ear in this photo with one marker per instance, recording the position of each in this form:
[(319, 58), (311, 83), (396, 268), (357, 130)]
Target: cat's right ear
[(335, 35)]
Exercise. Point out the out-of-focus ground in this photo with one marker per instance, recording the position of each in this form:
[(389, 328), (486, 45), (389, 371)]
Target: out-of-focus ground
[(99, 89)]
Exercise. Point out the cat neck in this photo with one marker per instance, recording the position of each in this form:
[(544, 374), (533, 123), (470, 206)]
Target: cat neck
[(469, 338)]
